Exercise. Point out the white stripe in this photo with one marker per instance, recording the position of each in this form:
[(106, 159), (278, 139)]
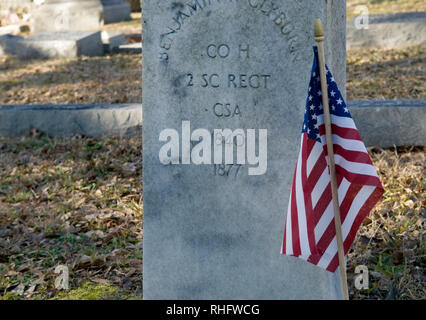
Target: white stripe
[(320, 119), (357, 204), (348, 144), (320, 186), (343, 122), (288, 240), (328, 215), (301, 213), (355, 167), (316, 152), (328, 254)]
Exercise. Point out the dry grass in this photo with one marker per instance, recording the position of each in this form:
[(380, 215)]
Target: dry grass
[(109, 79), (70, 202), (386, 74), (391, 240), (385, 6), (127, 27)]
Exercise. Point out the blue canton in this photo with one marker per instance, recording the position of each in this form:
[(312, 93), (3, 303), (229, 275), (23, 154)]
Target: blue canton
[(314, 109)]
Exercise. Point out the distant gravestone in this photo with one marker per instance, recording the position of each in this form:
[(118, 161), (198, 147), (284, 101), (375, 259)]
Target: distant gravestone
[(116, 10), (69, 44), (66, 15), (224, 90)]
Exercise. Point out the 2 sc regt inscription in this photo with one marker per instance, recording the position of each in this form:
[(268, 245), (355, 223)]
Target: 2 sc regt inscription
[(254, 81)]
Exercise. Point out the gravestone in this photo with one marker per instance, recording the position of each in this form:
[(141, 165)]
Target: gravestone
[(45, 45), (112, 40), (214, 230), (116, 10), (66, 15)]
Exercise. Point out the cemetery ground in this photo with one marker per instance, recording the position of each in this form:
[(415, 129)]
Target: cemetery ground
[(77, 202), (112, 78)]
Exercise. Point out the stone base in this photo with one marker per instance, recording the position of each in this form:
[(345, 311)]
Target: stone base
[(134, 48), (8, 44), (116, 10), (385, 123), (112, 40), (56, 45), (99, 120), (382, 123)]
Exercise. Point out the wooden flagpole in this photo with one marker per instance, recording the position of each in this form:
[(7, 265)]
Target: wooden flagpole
[(319, 38)]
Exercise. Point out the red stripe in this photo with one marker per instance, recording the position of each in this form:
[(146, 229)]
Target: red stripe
[(306, 144), (324, 200), (316, 172), (346, 133), (334, 263), (353, 156), (284, 239), (361, 215), (356, 178), (294, 221)]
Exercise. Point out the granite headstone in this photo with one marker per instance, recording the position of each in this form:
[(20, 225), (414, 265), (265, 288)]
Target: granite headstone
[(224, 89)]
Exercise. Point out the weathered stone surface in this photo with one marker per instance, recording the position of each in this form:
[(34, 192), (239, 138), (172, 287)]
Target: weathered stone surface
[(391, 122), (8, 44), (209, 234), (60, 45), (388, 31), (66, 15), (116, 10), (64, 120)]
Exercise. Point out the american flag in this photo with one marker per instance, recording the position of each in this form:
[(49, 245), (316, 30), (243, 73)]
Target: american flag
[(309, 231)]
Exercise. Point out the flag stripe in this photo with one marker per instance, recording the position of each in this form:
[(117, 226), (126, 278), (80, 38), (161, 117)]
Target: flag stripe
[(320, 186), (308, 146), (342, 132), (355, 167), (314, 155), (343, 122), (294, 221), (349, 155), (301, 212), (358, 178), (328, 215)]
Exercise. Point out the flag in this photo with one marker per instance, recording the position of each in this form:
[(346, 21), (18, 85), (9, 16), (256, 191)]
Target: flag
[(309, 231)]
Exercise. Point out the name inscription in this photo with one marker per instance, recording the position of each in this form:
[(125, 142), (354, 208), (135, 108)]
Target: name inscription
[(269, 8)]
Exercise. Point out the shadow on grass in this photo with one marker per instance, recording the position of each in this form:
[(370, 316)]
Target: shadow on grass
[(113, 78)]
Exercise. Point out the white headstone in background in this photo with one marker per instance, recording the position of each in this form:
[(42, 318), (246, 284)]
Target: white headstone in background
[(67, 15)]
